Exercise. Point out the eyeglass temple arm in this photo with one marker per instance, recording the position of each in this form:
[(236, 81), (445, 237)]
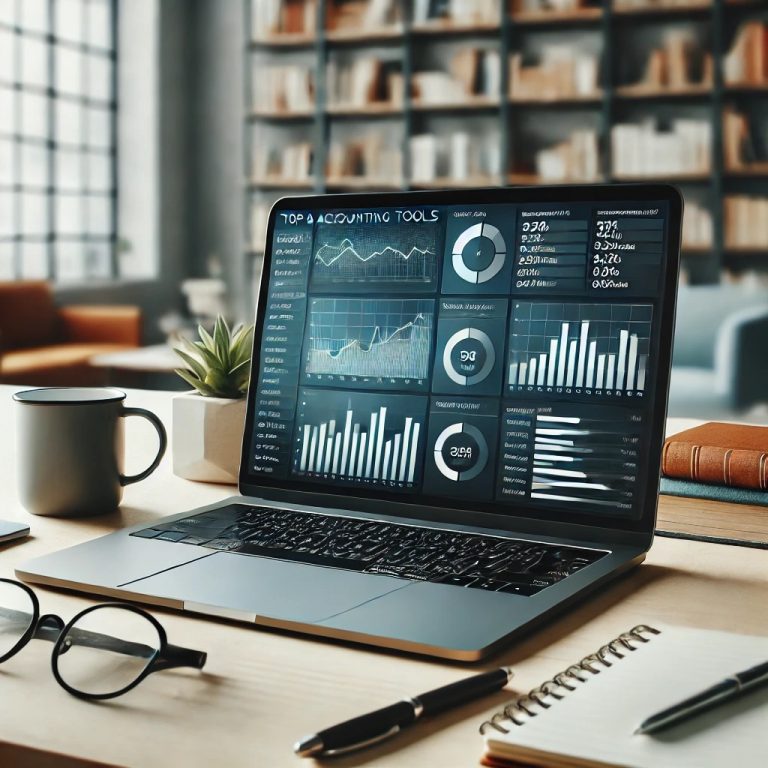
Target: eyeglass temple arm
[(49, 627), (172, 656), (176, 656)]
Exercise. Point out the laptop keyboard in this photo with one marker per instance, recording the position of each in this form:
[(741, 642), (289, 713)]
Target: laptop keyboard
[(368, 546)]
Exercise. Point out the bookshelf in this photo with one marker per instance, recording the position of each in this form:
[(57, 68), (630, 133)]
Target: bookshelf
[(410, 93)]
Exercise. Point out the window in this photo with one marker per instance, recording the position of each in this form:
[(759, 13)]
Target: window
[(57, 139)]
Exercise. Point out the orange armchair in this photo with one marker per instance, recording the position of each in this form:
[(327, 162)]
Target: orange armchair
[(45, 345)]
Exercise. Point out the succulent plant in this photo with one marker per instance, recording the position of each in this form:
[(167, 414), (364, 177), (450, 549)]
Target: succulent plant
[(218, 365)]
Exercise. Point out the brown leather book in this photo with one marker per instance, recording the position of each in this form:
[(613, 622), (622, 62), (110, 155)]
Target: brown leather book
[(723, 454)]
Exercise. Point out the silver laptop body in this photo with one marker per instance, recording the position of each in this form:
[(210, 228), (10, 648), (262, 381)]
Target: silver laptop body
[(482, 370)]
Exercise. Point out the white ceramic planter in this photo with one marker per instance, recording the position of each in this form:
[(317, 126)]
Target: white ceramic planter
[(207, 437)]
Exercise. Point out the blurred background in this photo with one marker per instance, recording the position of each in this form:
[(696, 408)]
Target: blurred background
[(142, 143)]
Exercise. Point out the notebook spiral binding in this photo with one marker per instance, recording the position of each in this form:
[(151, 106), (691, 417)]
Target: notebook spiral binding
[(562, 682)]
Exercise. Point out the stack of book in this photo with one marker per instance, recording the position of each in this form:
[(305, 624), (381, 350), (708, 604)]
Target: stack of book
[(675, 67), (282, 17), (474, 73), (739, 152), (291, 163), (642, 150), (562, 73), (454, 158), (361, 15), (746, 64), (746, 222), (367, 160), (363, 83), (575, 159), (458, 12), (286, 89), (697, 226)]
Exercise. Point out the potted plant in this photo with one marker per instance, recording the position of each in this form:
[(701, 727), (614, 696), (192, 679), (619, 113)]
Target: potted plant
[(208, 422)]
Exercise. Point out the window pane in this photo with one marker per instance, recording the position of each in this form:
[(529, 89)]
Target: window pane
[(99, 221), (34, 260), (8, 11), (99, 86), (69, 261), (68, 170), (6, 258), (34, 15), (7, 54), (69, 128), (34, 115), (34, 61), (34, 214), (69, 19), (99, 173), (68, 70), (98, 128), (97, 259), (99, 32), (7, 224), (7, 110), (34, 165), (69, 214), (6, 162)]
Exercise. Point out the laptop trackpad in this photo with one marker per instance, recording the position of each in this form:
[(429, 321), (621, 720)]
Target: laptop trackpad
[(246, 587)]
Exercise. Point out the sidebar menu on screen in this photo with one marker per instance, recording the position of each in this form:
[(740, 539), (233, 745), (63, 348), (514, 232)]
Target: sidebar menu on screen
[(282, 336)]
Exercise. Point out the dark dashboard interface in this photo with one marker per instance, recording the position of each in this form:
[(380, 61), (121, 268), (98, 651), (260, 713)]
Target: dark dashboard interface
[(497, 357)]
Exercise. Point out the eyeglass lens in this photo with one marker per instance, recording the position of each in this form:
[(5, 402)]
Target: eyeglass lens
[(16, 615), (106, 650)]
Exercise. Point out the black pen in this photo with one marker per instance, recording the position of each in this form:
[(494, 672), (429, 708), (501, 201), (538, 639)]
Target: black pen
[(728, 689), (376, 726)]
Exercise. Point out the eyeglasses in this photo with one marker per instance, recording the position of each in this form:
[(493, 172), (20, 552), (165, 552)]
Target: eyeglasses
[(103, 652)]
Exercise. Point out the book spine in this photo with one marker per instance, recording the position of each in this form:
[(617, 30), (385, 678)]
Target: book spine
[(741, 468)]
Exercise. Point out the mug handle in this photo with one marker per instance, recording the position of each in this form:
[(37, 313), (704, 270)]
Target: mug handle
[(162, 436)]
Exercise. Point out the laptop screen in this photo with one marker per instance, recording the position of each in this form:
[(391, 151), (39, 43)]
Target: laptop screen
[(495, 356)]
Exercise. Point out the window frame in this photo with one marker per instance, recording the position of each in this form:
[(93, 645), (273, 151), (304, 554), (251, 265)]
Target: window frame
[(52, 236)]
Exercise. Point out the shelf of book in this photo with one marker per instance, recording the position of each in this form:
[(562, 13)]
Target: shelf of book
[(402, 55), (279, 117), (466, 105), (750, 171), (654, 94), (557, 17), (376, 109), (574, 100), (365, 36), (284, 40), (452, 28), (693, 8)]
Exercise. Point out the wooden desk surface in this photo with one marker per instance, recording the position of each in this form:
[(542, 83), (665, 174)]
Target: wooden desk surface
[(260, 691)]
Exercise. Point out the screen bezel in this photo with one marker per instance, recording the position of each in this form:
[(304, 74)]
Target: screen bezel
[(420, 506)]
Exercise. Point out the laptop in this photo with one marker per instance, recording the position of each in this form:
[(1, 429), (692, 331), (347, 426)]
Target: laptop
[(454, 423)]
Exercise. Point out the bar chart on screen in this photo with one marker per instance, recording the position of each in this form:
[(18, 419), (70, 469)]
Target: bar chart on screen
[(368, 439), (579, 349)]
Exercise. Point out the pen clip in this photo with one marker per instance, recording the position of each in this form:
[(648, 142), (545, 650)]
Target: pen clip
[(361, 744)]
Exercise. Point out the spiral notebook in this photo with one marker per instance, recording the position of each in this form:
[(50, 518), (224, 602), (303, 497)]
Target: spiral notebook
[(587, 714)]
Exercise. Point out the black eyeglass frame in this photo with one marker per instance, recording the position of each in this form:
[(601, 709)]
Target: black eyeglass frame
[(52, 628)]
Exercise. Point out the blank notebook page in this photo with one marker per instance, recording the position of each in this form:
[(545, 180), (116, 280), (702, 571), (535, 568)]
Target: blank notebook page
[(594, 724)]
